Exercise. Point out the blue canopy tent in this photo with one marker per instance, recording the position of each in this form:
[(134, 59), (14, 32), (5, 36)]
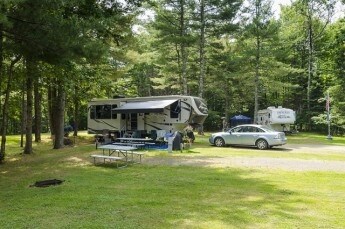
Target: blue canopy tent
[(239, 120)]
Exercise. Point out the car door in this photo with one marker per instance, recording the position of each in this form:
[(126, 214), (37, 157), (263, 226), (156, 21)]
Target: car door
[(250, 135), (235, 136)]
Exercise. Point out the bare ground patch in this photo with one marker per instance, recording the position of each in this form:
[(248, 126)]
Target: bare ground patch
[(262, 162)]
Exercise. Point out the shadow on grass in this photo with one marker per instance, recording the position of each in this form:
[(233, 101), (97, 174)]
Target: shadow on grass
[(215, 198), (147, 196), (142, 196), (280, 148)]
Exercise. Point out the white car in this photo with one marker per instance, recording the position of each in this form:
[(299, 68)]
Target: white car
[(249, 135)]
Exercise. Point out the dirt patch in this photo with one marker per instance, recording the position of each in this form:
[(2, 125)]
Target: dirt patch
[(315, 148), (263, 162)]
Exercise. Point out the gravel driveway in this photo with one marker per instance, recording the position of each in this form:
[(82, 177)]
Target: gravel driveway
[(289, 164), (314, 148)]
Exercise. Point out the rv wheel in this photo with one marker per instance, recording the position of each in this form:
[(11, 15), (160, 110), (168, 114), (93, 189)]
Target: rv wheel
[(261, 144), (219, 142)]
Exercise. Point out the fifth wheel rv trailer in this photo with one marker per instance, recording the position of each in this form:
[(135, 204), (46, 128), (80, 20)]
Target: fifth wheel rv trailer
[(278, 119), (142, 115)]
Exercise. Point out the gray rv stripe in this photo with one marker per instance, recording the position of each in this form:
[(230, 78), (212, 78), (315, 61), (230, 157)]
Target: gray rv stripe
[(186, 108), (96, 120), (153, 126), (166, 124)]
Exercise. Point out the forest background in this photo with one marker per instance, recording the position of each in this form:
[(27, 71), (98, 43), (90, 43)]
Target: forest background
[(56, 55)]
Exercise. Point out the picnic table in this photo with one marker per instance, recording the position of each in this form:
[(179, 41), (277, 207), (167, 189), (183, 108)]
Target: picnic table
[(124, 153), (146, 141), (137, 145), (139, 140)]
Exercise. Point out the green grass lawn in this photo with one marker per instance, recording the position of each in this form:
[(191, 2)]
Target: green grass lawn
[(312, 138), (144, 196)]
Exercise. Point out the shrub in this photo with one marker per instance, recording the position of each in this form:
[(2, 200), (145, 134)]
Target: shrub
[(213, 122)]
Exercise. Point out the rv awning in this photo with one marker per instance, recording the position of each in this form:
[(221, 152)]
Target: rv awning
[(156, 106)]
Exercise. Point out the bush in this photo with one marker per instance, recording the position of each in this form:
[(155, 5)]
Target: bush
[(213, 122)]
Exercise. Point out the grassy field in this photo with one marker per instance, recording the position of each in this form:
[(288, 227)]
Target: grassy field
[(147, 196), (310, 138)]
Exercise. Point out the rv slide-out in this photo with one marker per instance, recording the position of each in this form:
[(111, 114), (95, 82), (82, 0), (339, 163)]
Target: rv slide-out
[(143, 116)]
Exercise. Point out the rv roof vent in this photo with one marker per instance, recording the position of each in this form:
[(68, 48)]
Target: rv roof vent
[(280, 107), (272, 107)]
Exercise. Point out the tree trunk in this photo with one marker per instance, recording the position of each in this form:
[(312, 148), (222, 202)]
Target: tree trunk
[(23, 117), (50, 108), (257, 80), (227, 100), (76, 112), (310, 67), (29, 101), (58, 110), (178, 55), (183, 48), (5, 109), (202, 49), (1, 59), (258, 12), (38, 110), (257, 62)]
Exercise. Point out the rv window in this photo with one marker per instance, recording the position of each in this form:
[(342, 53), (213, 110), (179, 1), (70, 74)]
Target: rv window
[(103, 112), (123, 116), (113, 114), (92, 112), (175, 109), (201, 105)]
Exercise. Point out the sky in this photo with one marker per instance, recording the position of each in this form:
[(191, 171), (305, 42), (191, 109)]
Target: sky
[(276, 6), (339, 12), (339, 8)]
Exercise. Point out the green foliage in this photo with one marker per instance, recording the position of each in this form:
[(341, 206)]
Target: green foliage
[(213, 121), (90, 45)]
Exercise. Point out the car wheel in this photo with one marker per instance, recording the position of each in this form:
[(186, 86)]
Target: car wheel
[(261, 144), (219, 142)]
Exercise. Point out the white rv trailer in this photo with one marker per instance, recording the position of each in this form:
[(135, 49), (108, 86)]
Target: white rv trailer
[(278, 118), (144, 114)]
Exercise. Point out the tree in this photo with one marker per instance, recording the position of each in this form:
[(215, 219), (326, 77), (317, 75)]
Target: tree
[(228, 84), (5, 108), (213, 18), (259, 29), (316, 15), (172, 24), (302, 33), (41, 32), (334, 73)]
